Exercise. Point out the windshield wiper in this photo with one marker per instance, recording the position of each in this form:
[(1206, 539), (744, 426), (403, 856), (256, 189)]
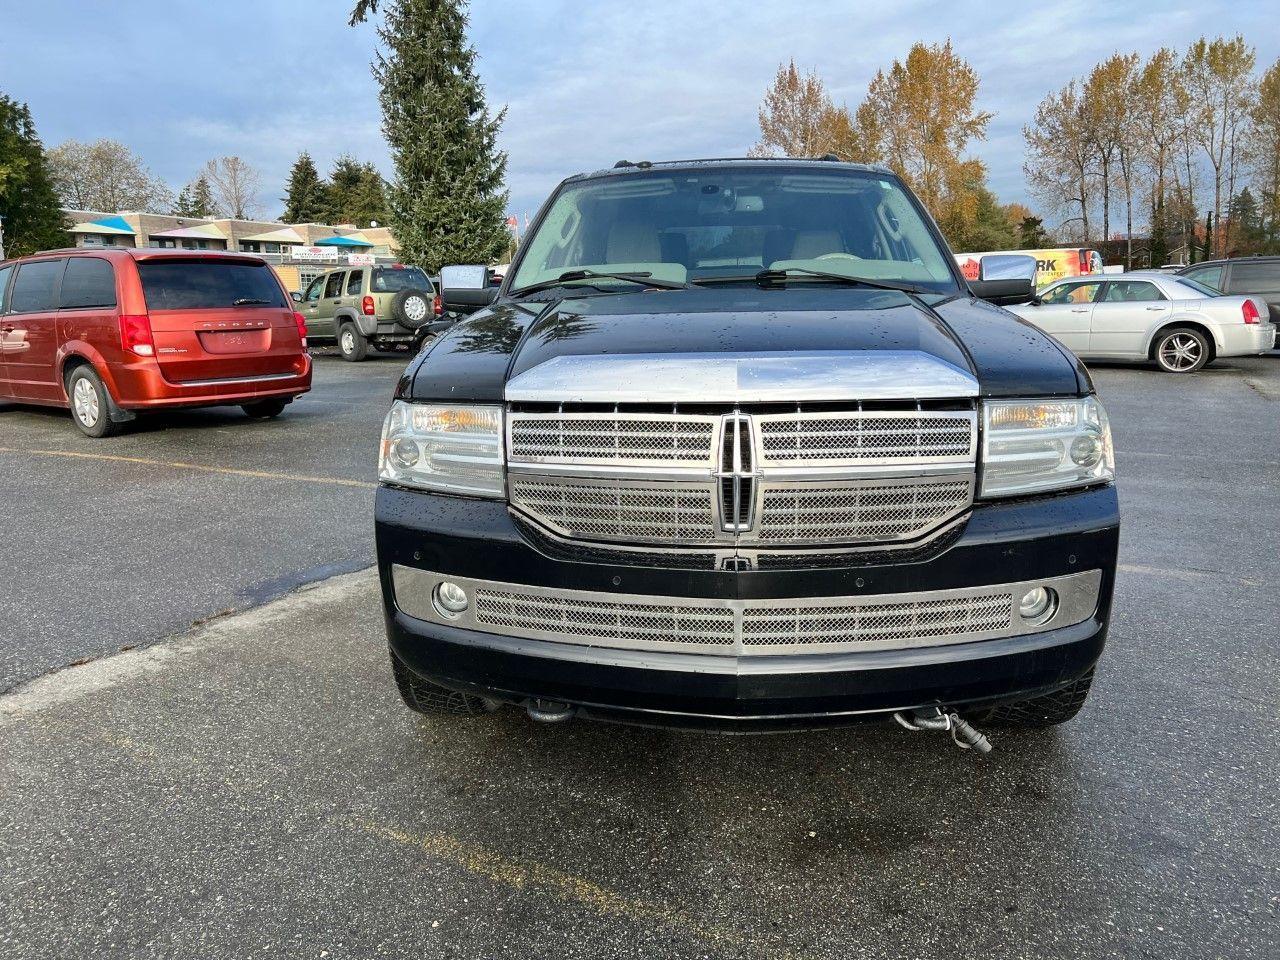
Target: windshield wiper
[(569, 276), (248, 301), (781, 276)]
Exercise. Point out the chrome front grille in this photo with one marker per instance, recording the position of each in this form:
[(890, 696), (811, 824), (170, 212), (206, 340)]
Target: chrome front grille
[(769, 478), (872, 436), (876, 512), (615, 438), (618, 512), (745, 628)]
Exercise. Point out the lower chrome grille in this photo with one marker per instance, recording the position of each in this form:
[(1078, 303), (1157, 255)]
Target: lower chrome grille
[(660, 623), (746, 628), (861, 512), (875, 622)]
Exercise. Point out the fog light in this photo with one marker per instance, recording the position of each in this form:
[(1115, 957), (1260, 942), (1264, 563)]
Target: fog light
[(1037, 604), (449, 599)]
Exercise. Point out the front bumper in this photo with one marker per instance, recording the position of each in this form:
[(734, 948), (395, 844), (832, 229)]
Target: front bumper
[(1000, 543)]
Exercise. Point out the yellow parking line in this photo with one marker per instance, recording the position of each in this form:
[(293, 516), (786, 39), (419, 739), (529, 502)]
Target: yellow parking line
[(180, 465), (535, 876)]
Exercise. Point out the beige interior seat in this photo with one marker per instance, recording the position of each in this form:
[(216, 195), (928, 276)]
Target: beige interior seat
[(632, 243), (811, 244)]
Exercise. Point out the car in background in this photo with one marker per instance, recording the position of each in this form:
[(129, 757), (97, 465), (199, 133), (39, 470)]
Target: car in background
[(114, 333), (1172, 321), (1242, 277), (385, 307), (1051, 265)]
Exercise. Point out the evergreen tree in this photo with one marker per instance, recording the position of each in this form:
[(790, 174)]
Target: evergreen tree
[(1207, 251), (342, 186), (447, 202), (195, 200), (307, 197), (32, 219), (1032, 235)]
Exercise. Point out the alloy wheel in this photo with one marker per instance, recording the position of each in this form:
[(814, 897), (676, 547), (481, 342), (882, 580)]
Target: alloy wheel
[(85, 400), (1181, 352)]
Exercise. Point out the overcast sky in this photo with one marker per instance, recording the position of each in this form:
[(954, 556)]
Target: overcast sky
[(585, 84)]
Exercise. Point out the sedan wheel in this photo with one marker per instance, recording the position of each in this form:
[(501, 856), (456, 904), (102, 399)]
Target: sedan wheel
[(1182, 351)]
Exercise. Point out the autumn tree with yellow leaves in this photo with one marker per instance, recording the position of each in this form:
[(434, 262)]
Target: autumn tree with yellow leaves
[(918, 118)]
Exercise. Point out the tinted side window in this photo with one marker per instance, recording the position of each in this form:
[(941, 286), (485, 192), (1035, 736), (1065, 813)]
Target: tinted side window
[(34, 287), (333, 286), (355, 280), (4, 282), (1209, 276), (313, 291), (1255, 277), (88, 282)]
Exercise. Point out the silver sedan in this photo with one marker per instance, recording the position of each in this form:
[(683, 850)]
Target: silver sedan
[(1174, 322)]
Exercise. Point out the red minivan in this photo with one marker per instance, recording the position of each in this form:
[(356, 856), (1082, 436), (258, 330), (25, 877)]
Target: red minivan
[(115, 333)]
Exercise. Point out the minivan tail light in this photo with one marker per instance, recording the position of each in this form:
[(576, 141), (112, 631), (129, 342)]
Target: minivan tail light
[(1250, 312), (135, 334), (301, 321), (367, 306), (437, 305)]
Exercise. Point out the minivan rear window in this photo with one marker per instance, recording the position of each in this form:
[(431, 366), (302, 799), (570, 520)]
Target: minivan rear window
[(208, 284), (393, 280)]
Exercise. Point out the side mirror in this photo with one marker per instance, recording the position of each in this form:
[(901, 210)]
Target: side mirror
[(295, 296), (466, 289), (1005, 278)]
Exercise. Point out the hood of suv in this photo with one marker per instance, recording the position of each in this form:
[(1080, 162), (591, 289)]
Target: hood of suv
[(718, 344)]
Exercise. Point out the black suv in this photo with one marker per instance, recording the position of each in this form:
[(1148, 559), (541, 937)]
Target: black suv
[(736, 445), (1242, 277)]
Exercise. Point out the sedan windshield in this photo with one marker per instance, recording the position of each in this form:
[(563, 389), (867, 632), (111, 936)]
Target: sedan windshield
[(719, 224)]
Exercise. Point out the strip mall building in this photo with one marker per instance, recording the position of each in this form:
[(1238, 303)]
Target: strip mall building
[(298, 251)]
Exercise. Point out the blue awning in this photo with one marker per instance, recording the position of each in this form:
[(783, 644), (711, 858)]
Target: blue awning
[(351, 240)]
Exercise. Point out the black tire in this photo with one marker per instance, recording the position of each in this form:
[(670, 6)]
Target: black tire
[(351, 343), (264, 409), (1181, 350), (1047, 711), (91, 404), (412, 308), (423, 696)]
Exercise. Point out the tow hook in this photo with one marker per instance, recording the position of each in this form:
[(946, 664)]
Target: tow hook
[(963, 734), (549, 711)]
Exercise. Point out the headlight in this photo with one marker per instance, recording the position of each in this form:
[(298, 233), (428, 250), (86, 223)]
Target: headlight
[(1029, 446), (454, 448)]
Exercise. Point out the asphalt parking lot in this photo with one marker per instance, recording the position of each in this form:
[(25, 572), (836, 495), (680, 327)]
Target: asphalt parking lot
[(253, 785)]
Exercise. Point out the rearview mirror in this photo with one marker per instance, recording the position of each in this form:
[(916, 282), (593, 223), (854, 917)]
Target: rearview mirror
[(1005, 278), (466, 289)]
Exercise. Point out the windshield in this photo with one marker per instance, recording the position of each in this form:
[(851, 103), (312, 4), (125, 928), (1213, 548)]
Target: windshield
[(693, 225)]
